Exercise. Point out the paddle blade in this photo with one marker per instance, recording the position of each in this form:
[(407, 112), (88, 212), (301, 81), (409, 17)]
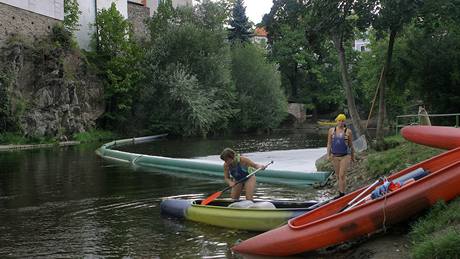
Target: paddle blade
[(211, 198)]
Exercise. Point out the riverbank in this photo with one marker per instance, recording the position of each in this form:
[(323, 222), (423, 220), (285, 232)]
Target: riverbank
[(13, 147)]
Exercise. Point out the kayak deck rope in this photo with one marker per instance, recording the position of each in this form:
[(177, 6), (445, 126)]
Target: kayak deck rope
[(384, 211)]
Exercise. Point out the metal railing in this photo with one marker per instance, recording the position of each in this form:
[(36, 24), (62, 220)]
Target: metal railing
[(419, 116)]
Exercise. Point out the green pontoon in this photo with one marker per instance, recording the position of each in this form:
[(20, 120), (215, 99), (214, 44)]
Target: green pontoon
[(195, 167)]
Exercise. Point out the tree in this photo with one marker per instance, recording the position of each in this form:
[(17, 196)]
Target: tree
[(392, 15), (338, 20), (239, 30), (187, 88), (305, 65), (71, 14), (261, 101), (428, 63), (117, 57)]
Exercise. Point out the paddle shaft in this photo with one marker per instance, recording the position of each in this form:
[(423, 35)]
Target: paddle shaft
[(359, 196), (217, 194)]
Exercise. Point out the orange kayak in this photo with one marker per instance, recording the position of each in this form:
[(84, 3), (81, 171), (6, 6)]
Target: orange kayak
[(331, 224), (433, 136)]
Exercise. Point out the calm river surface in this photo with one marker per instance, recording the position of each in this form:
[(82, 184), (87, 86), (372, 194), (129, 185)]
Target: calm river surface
[(68, 203)]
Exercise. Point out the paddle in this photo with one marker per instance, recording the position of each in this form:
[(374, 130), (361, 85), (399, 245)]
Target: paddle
[(361, 194), (217, 194)]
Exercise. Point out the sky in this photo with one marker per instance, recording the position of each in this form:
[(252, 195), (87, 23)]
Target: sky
[(255, 9)]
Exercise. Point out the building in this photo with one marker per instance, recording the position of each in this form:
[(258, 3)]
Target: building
[(30, 19), (260, 36), (361, 45), (35, 18), (136, 11)]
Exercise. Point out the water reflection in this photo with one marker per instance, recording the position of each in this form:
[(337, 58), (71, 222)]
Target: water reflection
[(66, 202)]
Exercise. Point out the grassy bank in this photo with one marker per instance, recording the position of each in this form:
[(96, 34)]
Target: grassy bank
[(9, 138), (435, 234)]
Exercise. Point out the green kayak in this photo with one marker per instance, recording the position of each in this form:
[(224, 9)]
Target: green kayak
[(245, 215), (193, 167)]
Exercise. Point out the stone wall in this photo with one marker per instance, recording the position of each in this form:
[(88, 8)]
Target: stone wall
[(298, 111), (50, 91), (16, 21), (137, 15)]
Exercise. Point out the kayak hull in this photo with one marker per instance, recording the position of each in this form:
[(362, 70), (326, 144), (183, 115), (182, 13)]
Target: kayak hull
[(433, 136), (329, 225), (217, 213)]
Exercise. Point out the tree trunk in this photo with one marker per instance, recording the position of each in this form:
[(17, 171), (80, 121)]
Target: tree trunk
[(383, 83), (356, 120), (294, 83)]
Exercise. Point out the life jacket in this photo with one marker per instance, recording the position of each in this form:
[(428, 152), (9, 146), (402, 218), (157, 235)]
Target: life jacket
[(339, 145), (238, 171)]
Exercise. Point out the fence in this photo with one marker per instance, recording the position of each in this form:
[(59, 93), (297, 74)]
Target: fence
[(415, 119)]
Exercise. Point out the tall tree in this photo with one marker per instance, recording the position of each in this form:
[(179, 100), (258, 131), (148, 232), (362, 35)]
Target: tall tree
[(339, 19), (117, 56), (71, 14), (261, 101), (304, 63), (188, 88), (392, 15), (239, 30)]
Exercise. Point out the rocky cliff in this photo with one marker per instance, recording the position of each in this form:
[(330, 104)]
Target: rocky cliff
[(47, 89)]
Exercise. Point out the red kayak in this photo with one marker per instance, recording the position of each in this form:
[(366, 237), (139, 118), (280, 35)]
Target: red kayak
[(433, 136), (353, 216)]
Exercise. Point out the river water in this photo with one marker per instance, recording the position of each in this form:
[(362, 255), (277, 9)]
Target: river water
[(67, 202)]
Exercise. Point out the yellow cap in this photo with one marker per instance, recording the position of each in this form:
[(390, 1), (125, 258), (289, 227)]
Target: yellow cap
[(341, 117)]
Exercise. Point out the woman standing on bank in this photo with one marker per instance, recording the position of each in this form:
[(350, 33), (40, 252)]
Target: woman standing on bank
[(340, 150), (237, 167)]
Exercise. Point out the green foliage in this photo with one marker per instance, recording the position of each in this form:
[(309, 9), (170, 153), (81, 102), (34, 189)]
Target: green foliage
[(94, 136), (306, 63), (405, 154), (239, 30), (437, 234), (187, 88), (399, 97), (19, 139), (62, 37), (261, 102), (428, 64), (5, 112), (117, 57), (71, 15)]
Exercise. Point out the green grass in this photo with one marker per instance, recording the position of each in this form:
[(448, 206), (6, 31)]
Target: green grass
[(94, 136), (437, 235), (403, 155), (18, 139)]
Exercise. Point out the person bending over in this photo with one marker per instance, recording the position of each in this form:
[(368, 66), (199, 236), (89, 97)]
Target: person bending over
[(237, 167)]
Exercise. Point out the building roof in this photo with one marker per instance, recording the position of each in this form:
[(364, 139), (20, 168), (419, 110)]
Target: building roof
[(261, 32)]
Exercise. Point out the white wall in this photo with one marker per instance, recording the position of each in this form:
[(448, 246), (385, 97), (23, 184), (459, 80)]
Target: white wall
[(88, 17), (361, 45), (50, 8)]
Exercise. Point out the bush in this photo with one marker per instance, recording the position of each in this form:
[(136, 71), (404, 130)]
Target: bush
[(63, 37), (93, 136)]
